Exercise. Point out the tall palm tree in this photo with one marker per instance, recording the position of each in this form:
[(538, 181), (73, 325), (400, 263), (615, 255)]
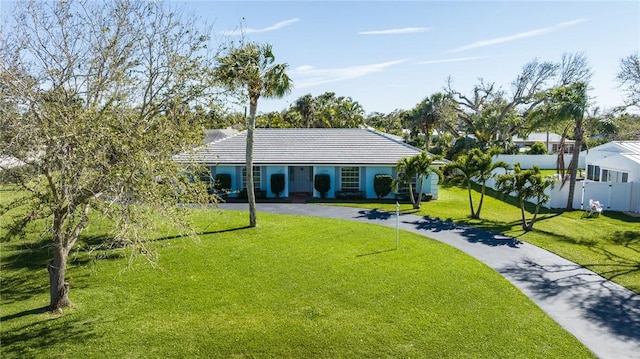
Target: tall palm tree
[(252, 68), (569, 104)]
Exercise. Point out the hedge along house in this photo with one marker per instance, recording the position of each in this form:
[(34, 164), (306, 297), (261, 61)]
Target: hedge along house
[(349, 158)]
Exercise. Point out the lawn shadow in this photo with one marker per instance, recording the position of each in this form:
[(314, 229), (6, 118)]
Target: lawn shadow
[(375, 214), (601, 301), (44, 335), (626, 238), (24, 313), (377, 252)]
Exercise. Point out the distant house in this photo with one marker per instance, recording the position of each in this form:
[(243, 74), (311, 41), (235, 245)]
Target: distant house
[(551, 140), (350, 157), (617, 162)]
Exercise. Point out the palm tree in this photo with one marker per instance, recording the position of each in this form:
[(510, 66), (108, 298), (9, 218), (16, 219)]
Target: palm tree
[(252, 68), (429, 113), (305, 107), (474, 165), (525, 184), (569, 104), (419, 166), (406, 172)]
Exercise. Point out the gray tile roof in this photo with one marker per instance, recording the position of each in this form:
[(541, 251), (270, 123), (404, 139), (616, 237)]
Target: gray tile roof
[(305, 146)]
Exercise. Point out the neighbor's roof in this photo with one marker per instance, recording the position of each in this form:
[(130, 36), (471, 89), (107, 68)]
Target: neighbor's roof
[(305, 146), (627, 147), (615, 149)]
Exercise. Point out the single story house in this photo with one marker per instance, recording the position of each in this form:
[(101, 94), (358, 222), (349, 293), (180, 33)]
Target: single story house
[(350, 157), (617, 161), (551, 140)]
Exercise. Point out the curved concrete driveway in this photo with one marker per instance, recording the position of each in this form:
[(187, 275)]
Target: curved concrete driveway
[(601, 314)]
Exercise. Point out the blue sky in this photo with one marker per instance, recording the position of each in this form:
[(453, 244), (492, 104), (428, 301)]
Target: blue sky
[(390, 55)]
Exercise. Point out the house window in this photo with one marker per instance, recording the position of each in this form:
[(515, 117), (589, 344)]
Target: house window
[(615, 176), (403, 187), (256, 177), (350, 178), (593, 173)]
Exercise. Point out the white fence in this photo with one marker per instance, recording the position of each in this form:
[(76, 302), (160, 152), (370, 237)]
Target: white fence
[(622, 197), (545, 162)]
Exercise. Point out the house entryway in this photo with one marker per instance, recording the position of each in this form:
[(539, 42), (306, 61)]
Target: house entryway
[(300, 183)]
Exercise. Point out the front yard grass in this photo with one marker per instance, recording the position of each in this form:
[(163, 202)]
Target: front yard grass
[(608, 245), (295, 287)]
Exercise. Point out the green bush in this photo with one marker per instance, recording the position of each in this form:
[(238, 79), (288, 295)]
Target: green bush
[(322, 184), (382, 185), (277, 184), (537, 148)]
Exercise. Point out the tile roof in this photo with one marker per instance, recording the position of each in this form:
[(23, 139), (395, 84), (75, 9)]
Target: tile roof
[(305, 146)]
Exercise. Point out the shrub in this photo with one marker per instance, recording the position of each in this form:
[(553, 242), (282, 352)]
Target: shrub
[(537, 148), (382, 185), (277, 184), (322, 184), (222, 182)]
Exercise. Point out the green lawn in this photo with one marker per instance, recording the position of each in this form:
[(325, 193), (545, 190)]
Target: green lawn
[(608, 245), (295, 287)]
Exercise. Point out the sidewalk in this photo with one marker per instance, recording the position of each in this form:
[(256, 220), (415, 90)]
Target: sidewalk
[(601, 314)]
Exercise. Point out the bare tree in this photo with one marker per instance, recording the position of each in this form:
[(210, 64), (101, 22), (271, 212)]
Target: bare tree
[(629, 78), (100, 93)]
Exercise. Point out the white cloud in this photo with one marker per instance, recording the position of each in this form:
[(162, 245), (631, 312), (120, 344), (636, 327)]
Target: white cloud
[(406, 30), (458, 59), (276, 26), (518, 36), (308, 76)]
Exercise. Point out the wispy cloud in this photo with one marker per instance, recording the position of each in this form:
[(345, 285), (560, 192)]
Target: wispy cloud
[(276, 26), (457, 59), (406, 30), (519, 36), (308, 76)]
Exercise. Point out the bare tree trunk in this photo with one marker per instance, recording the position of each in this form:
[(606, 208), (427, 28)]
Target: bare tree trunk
[(251, 194), (59, 289)]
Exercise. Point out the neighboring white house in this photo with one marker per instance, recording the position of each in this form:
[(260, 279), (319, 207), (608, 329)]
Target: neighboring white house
[(613, 179), (351, 158), (551, 140), (617, 162)]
